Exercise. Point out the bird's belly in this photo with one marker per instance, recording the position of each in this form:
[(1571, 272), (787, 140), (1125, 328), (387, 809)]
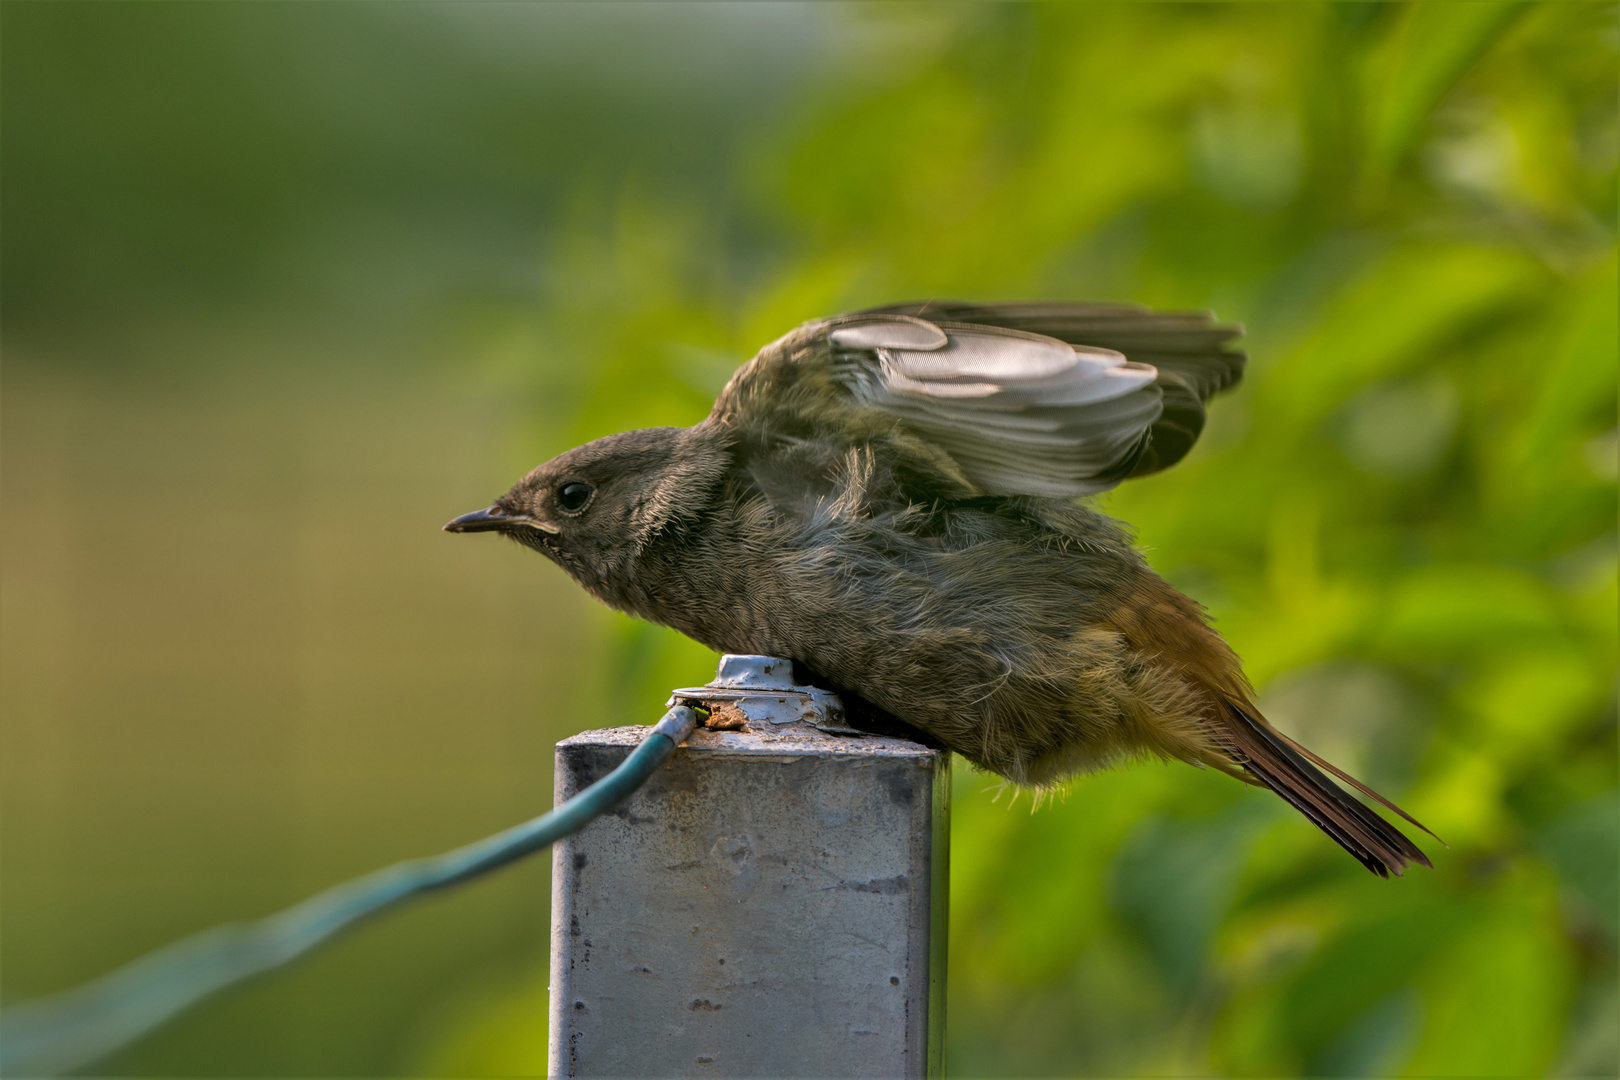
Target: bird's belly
[(994, 649), (991, 672)]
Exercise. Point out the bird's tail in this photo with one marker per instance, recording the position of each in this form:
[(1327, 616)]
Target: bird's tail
[(1275, 761), (1169, 630)]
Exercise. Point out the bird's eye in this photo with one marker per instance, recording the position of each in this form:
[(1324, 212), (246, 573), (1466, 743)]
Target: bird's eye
[(574, 495)]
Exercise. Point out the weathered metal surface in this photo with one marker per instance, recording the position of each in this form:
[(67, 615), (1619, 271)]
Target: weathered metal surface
[(761, 690), (771, 903)]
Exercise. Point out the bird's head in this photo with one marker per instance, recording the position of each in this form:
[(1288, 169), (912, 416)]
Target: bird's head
[(594, 509)]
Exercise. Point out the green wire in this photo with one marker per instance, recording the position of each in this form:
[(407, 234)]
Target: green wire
[(74, 1028)]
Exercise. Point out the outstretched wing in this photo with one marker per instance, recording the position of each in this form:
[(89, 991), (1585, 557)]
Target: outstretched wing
[(1033, 399), (1194, 355), (1188, 344)]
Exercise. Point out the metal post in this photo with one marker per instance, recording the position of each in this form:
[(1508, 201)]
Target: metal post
[(771, 903)]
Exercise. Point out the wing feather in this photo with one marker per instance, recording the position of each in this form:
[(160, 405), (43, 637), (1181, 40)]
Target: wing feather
[(1047, 399), (1191, 344), (1021, 413)]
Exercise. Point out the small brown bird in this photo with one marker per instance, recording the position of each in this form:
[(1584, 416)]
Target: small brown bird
[(886, 498)]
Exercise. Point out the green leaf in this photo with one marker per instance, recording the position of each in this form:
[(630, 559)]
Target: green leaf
[(1430, 50)]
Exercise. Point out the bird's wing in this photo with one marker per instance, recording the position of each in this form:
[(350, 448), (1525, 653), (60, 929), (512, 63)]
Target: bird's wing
[(1188, 344), (1193, 355), (1029, 399)]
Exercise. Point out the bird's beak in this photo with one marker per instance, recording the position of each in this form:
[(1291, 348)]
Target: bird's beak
[(492, 518)]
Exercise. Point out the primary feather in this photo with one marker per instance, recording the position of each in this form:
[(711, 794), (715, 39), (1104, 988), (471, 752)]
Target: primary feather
[(1194, 355), (1027, 399)]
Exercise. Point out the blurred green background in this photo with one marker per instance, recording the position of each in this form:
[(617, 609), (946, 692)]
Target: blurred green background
[(287, 286)]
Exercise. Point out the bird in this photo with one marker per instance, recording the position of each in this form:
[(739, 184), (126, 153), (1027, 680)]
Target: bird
[(893, 499)]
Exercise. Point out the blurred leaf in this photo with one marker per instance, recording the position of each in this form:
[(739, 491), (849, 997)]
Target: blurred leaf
[(1444, 610), (1333, 1005), (1362, 717), (1579, 382), (1528, 702), (1374, 1043), (1173, 880), (1593, 1045), (1436, 42), (1495, 1001), (1585, 847), (1402, 428), (492, 1034), (1372, 331)]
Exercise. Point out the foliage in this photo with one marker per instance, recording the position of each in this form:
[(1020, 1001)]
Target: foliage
[(1404, 521)]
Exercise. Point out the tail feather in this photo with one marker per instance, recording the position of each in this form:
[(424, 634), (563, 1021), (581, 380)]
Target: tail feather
[(1287, 768), (1353, 782), (1169, 634)]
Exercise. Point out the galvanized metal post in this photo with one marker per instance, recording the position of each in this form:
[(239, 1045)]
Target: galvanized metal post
[(771, 903)]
